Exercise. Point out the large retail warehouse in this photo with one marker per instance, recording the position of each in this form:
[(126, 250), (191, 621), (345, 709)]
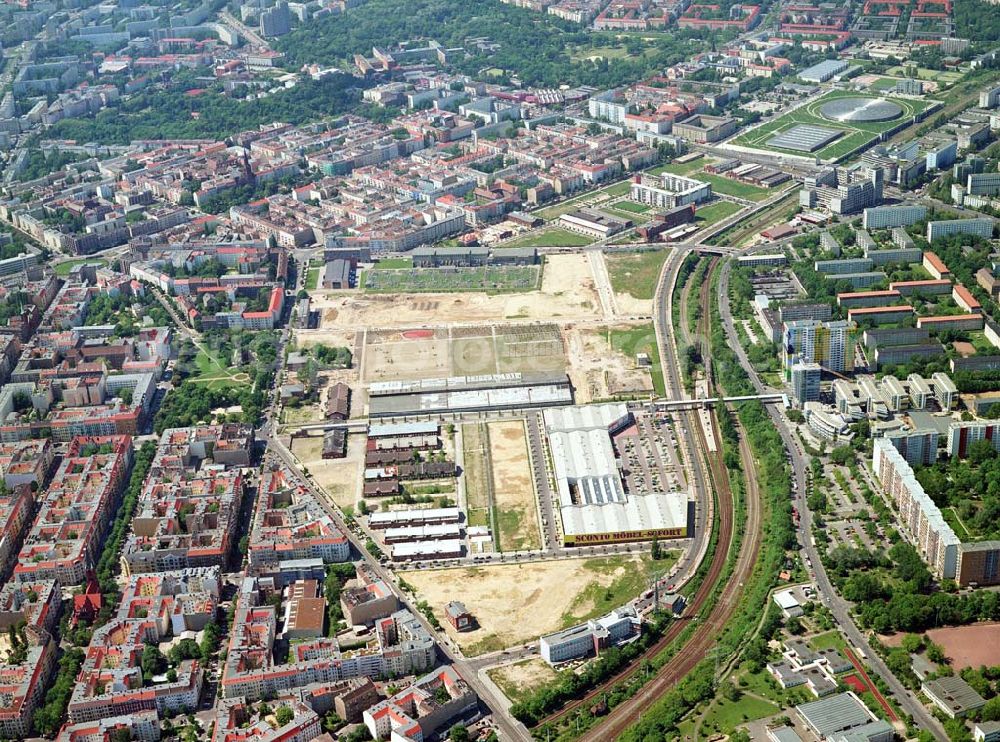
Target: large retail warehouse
[(594, 505)]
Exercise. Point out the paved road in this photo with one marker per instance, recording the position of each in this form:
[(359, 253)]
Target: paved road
[(839, 607), (510, 729), (546, 497), (245, 31)]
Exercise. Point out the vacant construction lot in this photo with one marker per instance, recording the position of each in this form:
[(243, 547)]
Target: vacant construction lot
[(339, 478), (601, 367), (513, 490), (634, 276), (462, 351), (567, 292), (520, 679), (516, 603), (390, 355)]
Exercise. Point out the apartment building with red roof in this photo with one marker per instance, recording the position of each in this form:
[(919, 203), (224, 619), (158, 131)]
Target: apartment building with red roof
[(64, 540), (289, 524), (24, 681), (153, 609), (419, 711), (237, 720)]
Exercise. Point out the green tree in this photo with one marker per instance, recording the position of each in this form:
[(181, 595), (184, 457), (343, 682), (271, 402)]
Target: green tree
[(912, 643), (152, 662), (935, 653)]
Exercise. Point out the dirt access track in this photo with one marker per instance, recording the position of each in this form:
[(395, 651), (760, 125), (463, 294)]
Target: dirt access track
[(567, 293)]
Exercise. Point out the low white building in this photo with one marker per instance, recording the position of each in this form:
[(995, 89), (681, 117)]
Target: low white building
[(788, 603)]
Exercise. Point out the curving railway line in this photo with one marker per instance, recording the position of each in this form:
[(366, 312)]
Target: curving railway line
[(714, 482), (700, 644), (675, 390)]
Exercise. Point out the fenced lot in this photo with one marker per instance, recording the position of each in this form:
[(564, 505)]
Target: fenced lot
[(492, 279)]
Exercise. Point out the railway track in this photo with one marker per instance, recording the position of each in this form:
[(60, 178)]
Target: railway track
[(692, 652), (673, 381), (700, 644)]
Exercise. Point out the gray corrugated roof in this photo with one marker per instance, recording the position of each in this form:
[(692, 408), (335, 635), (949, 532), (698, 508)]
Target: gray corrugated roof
[(835, 714)]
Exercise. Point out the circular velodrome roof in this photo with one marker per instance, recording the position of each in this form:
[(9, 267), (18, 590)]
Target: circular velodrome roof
[(861, 110)]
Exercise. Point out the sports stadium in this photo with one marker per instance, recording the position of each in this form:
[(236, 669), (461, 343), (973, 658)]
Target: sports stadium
[(835, 125)]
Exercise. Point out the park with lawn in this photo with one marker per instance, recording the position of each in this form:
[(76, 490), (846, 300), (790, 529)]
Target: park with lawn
[(214, 374), (715, 212), (312, 278)]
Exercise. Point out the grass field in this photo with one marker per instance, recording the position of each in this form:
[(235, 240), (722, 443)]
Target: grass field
[(631, 206), (946, 78), (829, 640), (388, 264), (715, 212), (855, 134), (641, 339), (503, 278), (681, 168), (730, 187), (587, 53), (520, 679), (475, 472), (884, 83), (62, 269), (554, 237), (723, 715), (312, 279), (618, 189), (636, 273)]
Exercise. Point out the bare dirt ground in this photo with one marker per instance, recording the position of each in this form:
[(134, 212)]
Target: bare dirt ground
[(329, 336), (597, 370), (402, 358), (628, 304), (339, 478), (513, 491), (462, 351), (513, 603), (567, 293), (969, 646)]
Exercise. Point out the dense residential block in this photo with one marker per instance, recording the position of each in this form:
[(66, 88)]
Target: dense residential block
[(64, 541)]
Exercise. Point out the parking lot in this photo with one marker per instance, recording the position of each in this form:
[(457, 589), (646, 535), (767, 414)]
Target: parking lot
[(648, 453)]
